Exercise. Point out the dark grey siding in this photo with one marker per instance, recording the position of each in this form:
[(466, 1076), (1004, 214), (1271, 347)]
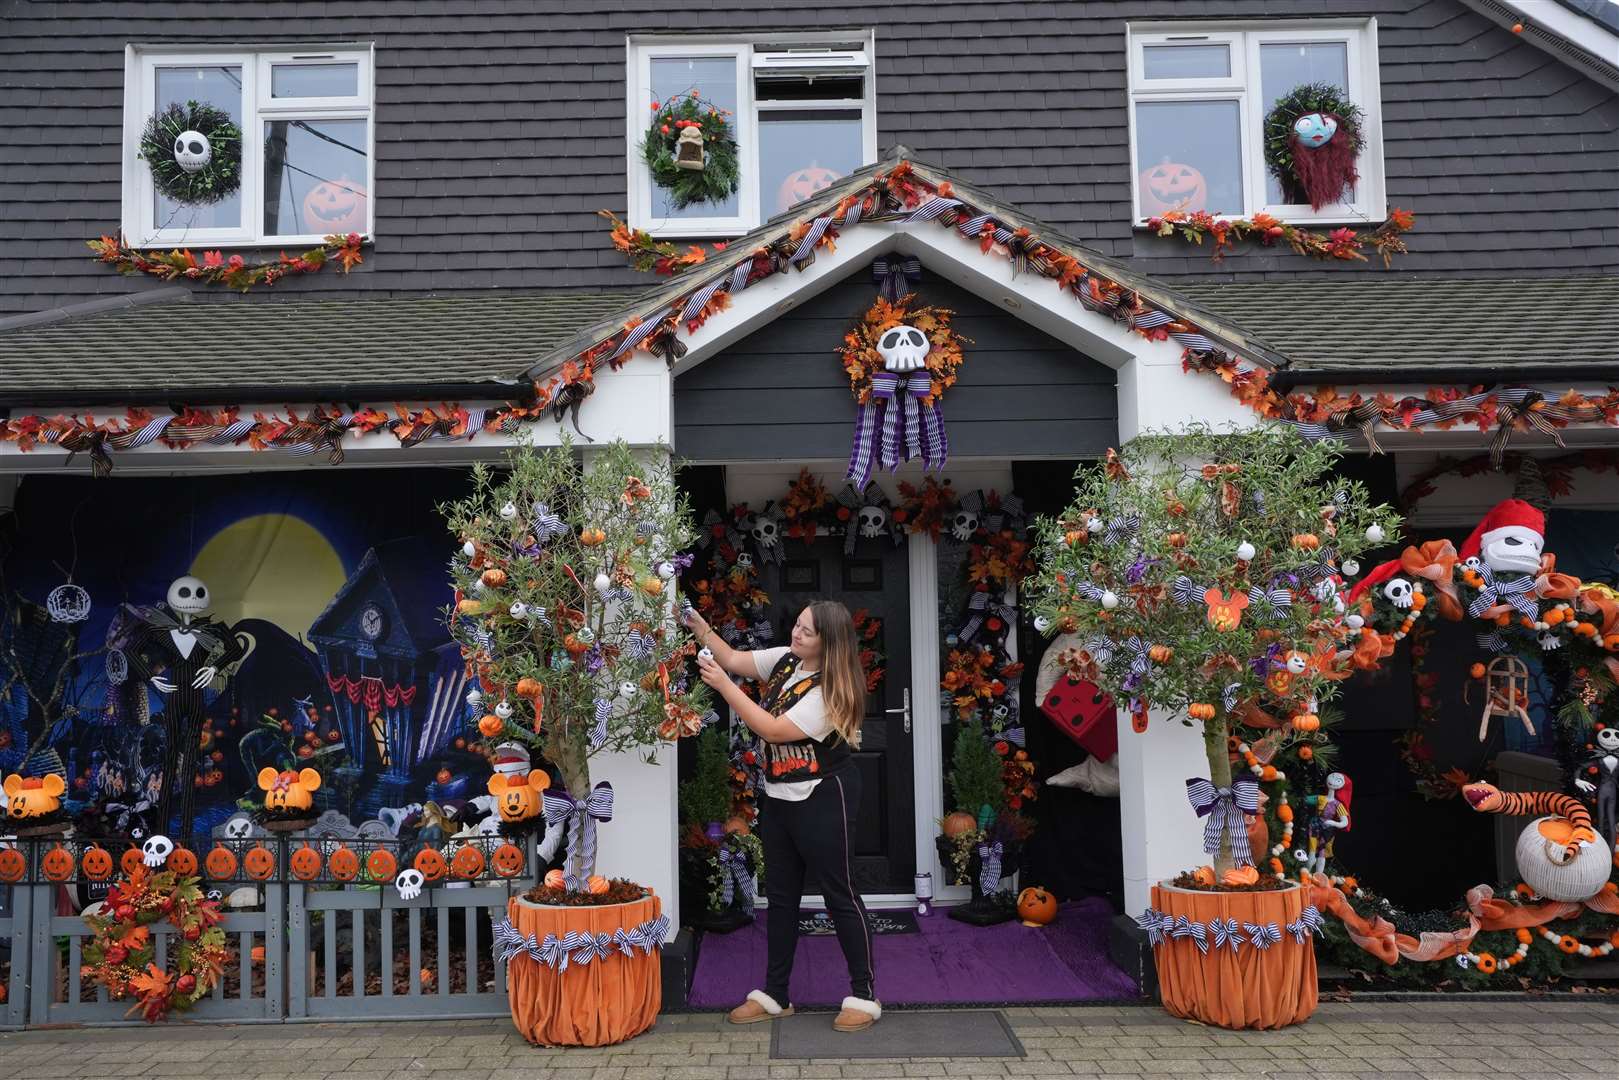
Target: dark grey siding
[(780, 394), (500, 129)]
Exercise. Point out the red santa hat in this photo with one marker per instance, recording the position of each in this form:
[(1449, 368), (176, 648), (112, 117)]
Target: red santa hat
[(1508, 513), (1375, 576)]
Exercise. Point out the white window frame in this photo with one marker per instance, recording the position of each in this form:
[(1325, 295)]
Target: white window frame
[(1243, 86), (640, 53), (141, 63)]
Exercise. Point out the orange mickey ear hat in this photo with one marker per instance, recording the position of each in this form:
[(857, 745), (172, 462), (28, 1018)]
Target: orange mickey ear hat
[(1508, 513)]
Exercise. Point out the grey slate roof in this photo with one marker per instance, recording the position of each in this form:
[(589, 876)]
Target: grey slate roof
[(1371, 324), (197, 351)]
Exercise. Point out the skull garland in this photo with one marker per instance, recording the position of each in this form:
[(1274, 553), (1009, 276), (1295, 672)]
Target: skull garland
[(903, 348), (873, 521), (964, 526), (1398, 592)]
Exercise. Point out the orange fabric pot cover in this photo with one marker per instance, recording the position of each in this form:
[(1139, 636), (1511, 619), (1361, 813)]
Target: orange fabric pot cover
[(1249, 988), (595, 1004)]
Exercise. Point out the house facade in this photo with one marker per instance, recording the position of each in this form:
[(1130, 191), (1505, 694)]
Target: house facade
[(421, 185)]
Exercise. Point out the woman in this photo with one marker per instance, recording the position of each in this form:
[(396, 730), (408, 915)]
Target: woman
[(809, 717)]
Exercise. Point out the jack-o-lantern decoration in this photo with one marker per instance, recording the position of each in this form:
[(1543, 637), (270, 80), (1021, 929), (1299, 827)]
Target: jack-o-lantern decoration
[(57, 864), (259, 863), (381, 865), (33, 796), (431, 864), (1225, 611), (130, 860), (12, 866), (803, 184), (335, 206), (1036, 907), (183, 861), (1173, 185), (343, 865), (220, 863), (468, 862), (287, 792), (508, 860), (97, 864), (518, 796), (305, 863)]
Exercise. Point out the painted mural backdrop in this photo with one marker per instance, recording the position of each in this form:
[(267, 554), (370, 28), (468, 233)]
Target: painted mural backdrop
[(330, 583)]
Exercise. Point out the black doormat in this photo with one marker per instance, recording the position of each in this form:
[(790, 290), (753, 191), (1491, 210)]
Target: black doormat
[(932, 1034), (900, 921)]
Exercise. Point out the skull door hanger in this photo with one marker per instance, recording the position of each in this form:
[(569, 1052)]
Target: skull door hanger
[(899, 416)]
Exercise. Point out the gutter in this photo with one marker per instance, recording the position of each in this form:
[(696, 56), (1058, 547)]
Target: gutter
[(1289, 378), (176, 396)]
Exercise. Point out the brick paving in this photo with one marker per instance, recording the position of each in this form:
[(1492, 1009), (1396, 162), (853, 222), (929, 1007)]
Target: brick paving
[(1478, 1039)]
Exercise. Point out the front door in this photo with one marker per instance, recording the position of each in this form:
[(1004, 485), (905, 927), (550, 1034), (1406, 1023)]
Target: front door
[(874, 580)]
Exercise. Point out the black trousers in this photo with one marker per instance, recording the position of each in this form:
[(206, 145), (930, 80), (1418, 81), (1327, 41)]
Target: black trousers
[(810, 840)]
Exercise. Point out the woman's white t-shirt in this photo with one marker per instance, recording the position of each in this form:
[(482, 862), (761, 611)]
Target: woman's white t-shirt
[(808, 714)]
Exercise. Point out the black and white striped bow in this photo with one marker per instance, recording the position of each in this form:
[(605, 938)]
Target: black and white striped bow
[(546, 526), (735, 877), (897, 276), (1263, 935), (1273, 601), (1225, 809), (1089, 590), (1323, 567), (1228, 696), (638, 645), (598, 730), (1514, 592), (1308, 922), (1155, 923), (1122, 528), (1186, 592), (989, 866), (1140, 658), (1226, 932), (1184, 927), (1101, 649)]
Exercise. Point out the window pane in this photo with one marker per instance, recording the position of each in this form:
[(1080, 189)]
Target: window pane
[(220, 87), (820, 88), (1191, 156), (801, 153), (714, 79), (1282, 67), (1186, 61), (316, 179), (314, 80)]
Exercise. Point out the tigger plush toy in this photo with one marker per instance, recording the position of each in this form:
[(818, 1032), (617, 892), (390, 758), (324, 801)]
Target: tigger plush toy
[(1559, 854)]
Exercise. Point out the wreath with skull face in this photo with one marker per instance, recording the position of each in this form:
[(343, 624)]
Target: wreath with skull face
[(194, 152)]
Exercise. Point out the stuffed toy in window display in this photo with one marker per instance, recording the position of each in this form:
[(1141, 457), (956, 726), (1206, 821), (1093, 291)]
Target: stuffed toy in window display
[(180, 651)]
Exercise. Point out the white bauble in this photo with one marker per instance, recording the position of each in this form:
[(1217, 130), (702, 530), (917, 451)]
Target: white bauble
[(1042, 624), (1246, 552), (519, 610), (469, 549), (603, 583), (1110, 601), (1350, 567), (508, 512), (1375, 534), (666, 570), (504, 710)]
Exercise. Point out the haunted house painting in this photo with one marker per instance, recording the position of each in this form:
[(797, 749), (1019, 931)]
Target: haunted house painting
[(396, 678)]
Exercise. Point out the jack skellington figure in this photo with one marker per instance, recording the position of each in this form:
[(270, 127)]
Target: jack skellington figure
[(1606, 788), (180, 651)]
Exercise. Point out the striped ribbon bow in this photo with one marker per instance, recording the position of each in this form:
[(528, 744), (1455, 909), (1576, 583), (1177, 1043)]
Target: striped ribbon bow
[(1184, 927), (1274, 601), (508, 942), (1186, 592), (598, 731), (1225, 808), (1013, 735), (1324, 567), (626, 940), (1101, 649), (599, 946), (553, 951), (558, 806), (1308, 922), (1514, 592), (1264, 935), (1226, 933), (1089, 590), (1492, 641), (546, 526), (895, 424), (1122, 528), (653, 932), (989, 867), (1154, 922), (1228, 696), (896, 277), (735, 877), (638, 645)]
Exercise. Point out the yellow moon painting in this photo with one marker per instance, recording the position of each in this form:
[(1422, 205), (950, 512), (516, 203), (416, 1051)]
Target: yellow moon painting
[(270, 566)]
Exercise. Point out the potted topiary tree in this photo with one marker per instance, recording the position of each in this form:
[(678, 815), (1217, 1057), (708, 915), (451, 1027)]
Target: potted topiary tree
[(980, 842), (719, 856), (564, 612), (1204, 574)]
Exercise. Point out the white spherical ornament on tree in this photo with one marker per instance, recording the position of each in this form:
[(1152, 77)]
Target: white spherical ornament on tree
[(1354, 622), (1093, 524), (469, 549), (1041, 624), (603, 583), (1246, 552), (1375, 534), (666, 570), (519, 610), (508, 512), (192, 151), (705, 653), (1350, 567), (1110, 600), (504, 710)]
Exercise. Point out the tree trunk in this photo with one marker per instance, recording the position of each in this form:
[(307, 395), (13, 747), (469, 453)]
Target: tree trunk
[(1219, 757), (574, 764)]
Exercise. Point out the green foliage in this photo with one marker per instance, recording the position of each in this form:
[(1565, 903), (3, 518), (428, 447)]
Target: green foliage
[(975, 773), (706, 796), (717, 180)]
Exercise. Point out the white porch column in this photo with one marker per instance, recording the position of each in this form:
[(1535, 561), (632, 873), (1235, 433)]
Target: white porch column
[(1161, 832), (640, 842)]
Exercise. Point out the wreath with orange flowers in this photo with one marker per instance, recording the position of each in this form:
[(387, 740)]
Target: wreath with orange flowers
[(861, 360), (121, 954)]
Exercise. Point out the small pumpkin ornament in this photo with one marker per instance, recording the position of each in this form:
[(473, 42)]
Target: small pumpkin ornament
[(96, 863), (220, 863), (597, 884), (958, 823), (130, 860), (183, 861), (529, 688), (508, 860), (381, 865), (431, 864), (1036, 907), (555, 879), (305, 863), (494, 578), (12, 866), (343, 865), (259, 863), (468, 863), (58, 864)]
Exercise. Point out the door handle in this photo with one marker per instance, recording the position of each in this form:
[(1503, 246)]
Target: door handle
[(905, 708)]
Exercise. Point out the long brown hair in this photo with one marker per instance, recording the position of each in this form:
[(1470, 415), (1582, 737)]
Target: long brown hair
[(843, 681)]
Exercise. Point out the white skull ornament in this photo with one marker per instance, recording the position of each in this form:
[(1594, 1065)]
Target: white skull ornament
[(766, 531), (192, 151), (188, 596), (1398, 592), (903, 348), (409, 883), (872, 521), (964, 525), (156, 850)]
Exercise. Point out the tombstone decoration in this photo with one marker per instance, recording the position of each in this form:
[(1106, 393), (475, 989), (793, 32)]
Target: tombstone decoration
[(194, 152)]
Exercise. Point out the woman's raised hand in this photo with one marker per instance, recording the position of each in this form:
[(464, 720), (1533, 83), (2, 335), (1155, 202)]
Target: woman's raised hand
[(712, 673)]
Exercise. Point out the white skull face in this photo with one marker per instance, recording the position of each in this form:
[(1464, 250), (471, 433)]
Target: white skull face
[(626, 689), (504, 710), (1512, 549), (766, 531), (964, 525), (409, 884), (191, 150), (903, 348), (189, 596), (744, 561), (1608, 740), (1297, 663), (1041, 624), (999, 714), (1398, 592), (238, 827), (508, 512), (1473, 563), (519, 610), (156, 850), (872, 520)]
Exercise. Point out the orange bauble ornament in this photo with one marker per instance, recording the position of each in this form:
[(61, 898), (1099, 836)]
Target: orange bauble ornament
[(804, 184), (508, 860), (529, 688), (468, 862), (183, 861), (306, 863), (57, 864), (334, 206), (1036, 907), (1173, 186), (97, 864), (431, 864), (381, 865), (597, 884), (490, 725), (343, 865), (259, 863), (220, 863)]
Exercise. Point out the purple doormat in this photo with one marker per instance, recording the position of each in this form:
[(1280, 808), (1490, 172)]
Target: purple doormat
[(948, 963)]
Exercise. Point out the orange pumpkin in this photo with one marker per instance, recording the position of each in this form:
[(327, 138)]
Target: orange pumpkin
[(508, 860), (381, 865), (97, 863), (597, 884), (131, 860), (343, 865), (259, 863), (468, 862), (431, 864), (220, 863), (305, 863), (802, 185), (1307, 722), (335, 206), (12, 865), (958, 824), (1173, 186), (529, 688), (57, 864), (490, 725), (555, 879), (494, 577), (183, 861), (1036, 907), (592, 537)]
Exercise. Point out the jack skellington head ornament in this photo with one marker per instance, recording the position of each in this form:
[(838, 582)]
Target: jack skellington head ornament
[(189, 597), (1509, 540)]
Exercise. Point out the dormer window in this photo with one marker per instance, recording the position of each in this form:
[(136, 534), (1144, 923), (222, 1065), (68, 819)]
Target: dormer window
[(302, 124), (802, 111)]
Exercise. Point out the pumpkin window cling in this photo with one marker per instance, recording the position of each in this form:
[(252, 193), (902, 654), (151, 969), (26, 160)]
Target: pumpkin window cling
[(690, 150)]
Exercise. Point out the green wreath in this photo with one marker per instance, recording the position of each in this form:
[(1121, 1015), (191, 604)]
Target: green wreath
[(720, 174), (219, 176), (1300, 101)]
